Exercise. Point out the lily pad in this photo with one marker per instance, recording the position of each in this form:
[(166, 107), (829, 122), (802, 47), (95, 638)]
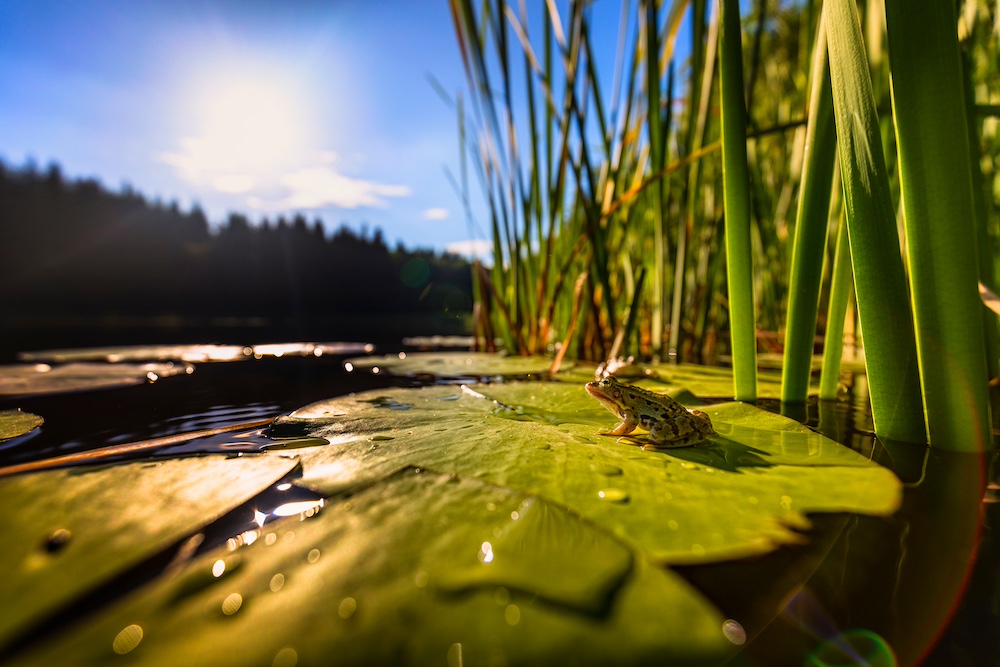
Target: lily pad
[(418, 568), (14, 423), (702, 380), (464, 365), (744, 492), (28, 380), (192, 353), (65, 532)]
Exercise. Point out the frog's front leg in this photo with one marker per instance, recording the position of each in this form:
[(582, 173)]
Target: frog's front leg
[(628, 423)]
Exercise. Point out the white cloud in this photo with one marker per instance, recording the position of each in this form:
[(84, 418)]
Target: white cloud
[(322, 186), (312, 183), (253, 142), (480, 249), (435, 214)]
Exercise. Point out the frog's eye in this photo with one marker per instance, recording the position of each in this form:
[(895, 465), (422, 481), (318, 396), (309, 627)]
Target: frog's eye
[(606, 382)]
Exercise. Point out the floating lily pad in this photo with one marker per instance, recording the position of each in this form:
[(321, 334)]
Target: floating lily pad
[(193, 353), (25, 380), (16, 422), (744, 492), (417, 569), (462, 365), (702, 380), (68, 531)]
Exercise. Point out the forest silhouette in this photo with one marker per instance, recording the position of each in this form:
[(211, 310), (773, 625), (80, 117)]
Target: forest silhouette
[(80, 264)]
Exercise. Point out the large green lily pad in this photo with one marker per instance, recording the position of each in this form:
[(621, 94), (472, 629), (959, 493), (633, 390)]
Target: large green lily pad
[(702, 380), (418, 568), (743, 493), (68, 531), (14, 423)]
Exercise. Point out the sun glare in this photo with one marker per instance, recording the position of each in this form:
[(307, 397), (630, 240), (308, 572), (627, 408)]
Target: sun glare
[(253, 130), (246, 128)]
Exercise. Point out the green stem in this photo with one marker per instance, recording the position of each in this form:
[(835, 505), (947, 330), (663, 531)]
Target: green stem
[(932, 143), (810, 231), (735, 174), (840, 296), (879, 279)]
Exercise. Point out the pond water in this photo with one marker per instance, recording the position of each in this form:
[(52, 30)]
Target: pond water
[(920, 586)]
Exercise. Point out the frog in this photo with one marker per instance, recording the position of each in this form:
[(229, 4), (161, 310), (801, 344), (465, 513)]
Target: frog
[(669, 423)]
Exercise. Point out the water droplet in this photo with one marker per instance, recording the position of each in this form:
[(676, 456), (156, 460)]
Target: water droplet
[(277, 581), (284, 487), (491, 507), (697, 550), (672, 525), (786, 502), (286, 657), (502, 596), (512, 614), (232, 604), (485, 553), (347, 608), (613, 495), (218, 568), (734, 632), (380, 438), (313, 556), (421, 579), (349, 367), (514, 516), (57, 540), (127, 639), (270, 538), (375, 370)]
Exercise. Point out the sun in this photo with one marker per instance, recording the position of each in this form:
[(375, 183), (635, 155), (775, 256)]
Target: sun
[(247, 126)]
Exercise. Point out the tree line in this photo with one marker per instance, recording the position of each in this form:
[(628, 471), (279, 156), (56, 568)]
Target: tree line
[(74, 248)]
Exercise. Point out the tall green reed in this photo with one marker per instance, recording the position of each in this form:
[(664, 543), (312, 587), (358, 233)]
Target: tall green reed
[(620, 190)]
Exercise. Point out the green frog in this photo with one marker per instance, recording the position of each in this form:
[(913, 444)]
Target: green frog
[(669, 423)]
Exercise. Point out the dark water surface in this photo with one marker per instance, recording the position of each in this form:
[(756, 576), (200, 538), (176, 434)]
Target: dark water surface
[(921, 587)]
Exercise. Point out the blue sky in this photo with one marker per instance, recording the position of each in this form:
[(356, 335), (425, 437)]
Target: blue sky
[(260, 107), (265, 108)]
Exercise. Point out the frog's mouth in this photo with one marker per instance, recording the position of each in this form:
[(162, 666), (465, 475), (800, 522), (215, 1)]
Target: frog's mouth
[(595, 390)]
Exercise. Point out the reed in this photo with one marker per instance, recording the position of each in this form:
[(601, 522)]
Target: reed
[(656, 186)]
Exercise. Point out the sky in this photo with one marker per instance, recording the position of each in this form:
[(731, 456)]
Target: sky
[(265, 108)]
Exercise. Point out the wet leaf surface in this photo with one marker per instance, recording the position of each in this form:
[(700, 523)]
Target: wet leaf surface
[(460, 365), (707, 381), (27, 380), (743, 493), (14, 423), (417, 568), (68, 531), (462, 525)]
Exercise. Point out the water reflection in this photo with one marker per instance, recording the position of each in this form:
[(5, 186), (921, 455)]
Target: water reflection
[(869, 590)]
